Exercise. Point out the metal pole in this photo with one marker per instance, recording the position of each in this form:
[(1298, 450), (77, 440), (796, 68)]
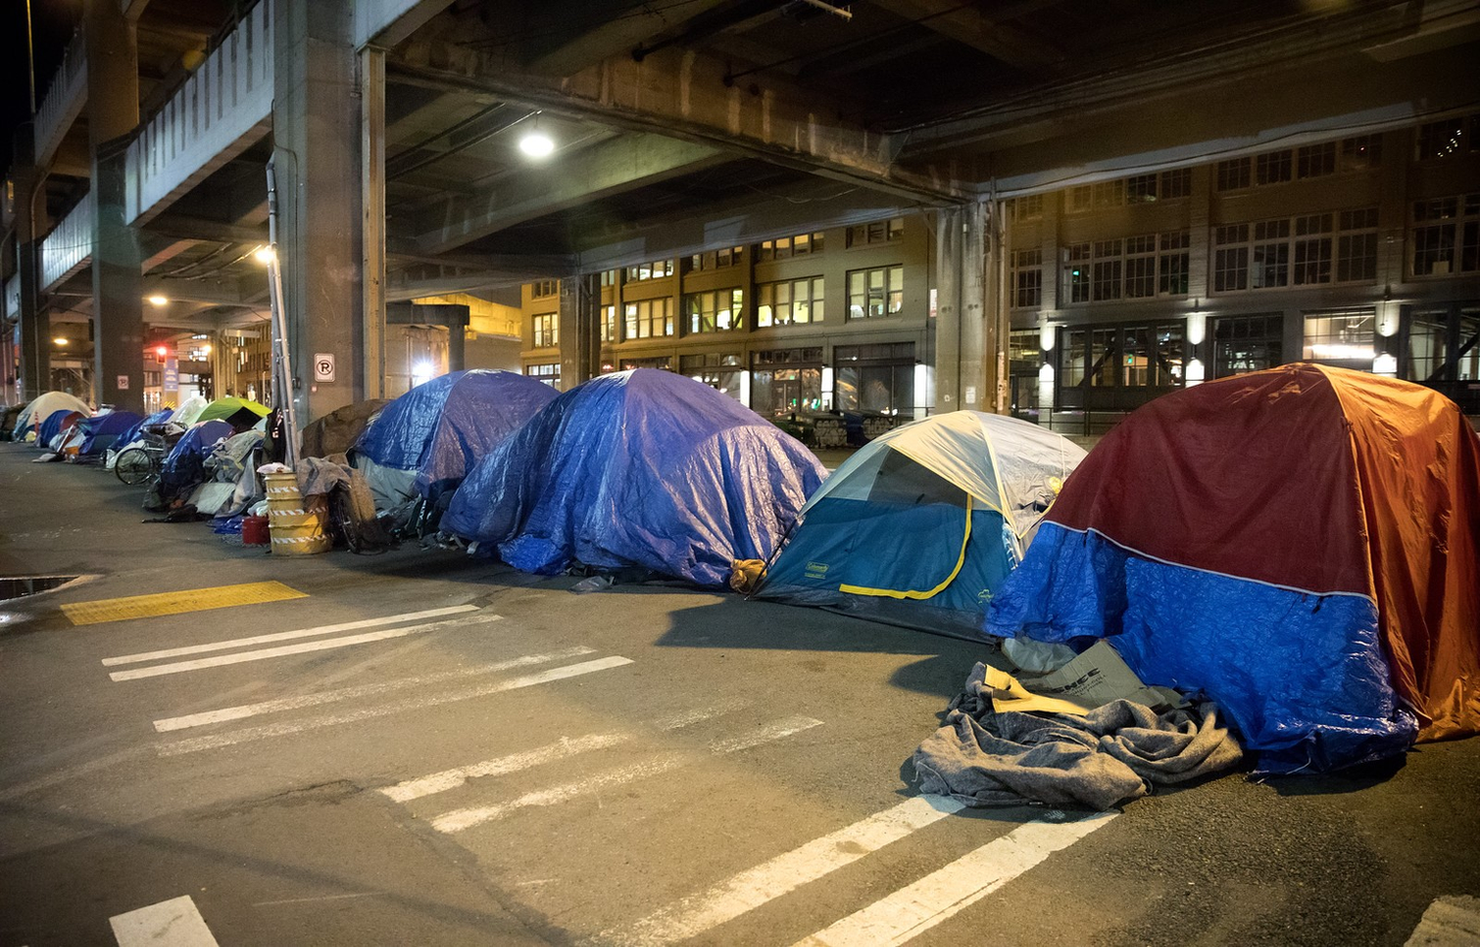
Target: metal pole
[(30, 59), (281, 356)]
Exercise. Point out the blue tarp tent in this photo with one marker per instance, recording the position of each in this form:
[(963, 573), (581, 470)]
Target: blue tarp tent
[(437, 430), (101, 432), (643, 468), (184, 466), (135, 431), (482, 409), (922, 524)]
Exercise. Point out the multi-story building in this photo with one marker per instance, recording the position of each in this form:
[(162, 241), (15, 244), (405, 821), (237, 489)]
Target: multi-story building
[(1360, 251)]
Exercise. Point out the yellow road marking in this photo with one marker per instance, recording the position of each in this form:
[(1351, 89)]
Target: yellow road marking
[(175, 603)]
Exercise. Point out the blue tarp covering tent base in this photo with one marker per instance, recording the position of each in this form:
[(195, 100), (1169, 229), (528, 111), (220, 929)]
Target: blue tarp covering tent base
[(922, 524), (185, 465), (424, 441), (641, 469), (53, 426), (1301, 544)]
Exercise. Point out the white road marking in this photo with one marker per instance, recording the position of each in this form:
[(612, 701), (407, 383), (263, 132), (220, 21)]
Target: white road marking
[(942, 894), (1452, 921), (453, 778), (785, 873), (216, 741), (263, 654), (566, 746), (286, 635), (361, 690), (172, 923), (460, 819)]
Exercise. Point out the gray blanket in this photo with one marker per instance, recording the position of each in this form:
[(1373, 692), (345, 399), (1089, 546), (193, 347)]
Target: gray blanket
[(1113, 754)]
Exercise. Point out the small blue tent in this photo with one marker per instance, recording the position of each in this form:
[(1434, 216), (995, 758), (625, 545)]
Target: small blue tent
[(922, 524), (136, 430), (643, 468), (185, 464), (408, 434), (98, 433)]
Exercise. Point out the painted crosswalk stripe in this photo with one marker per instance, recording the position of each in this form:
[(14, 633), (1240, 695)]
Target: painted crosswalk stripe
[(564, 747), (177, 603), (303, 647), (172, 923), (286, 635), (216, 741), (942, 894), (785, 873), (243, 711), (459, 820)]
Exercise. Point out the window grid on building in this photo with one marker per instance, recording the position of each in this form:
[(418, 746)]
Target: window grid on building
[(1307, 250), (784, 248), (608, 277), (1247, 343), (609, 324), (875, 292), (1445, 236), (719, 370), (1137, 189), (1137, 267), (541, 289), (1027, 207), (789, 302), (546, 330), (716, 259), (648, 318), (549, 373), (1148, 355), (718, 310), (1026, 278), (657, 269), (878, 231), (1448, 138), (1343, 336)]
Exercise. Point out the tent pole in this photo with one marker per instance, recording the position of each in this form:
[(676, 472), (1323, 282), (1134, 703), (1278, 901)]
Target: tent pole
[(281, 357)]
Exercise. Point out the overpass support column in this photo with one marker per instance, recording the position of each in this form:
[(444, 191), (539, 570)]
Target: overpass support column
[(961, 309), (316, 122), (117, 259), (580, 343), (35, 325)]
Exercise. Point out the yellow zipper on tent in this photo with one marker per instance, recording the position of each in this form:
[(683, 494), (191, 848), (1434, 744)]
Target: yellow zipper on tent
[(915, 595)]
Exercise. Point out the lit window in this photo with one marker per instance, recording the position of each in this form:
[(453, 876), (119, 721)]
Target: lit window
[(547, 330), (648, 318), (792, 302), (721, 310), (876, 292)]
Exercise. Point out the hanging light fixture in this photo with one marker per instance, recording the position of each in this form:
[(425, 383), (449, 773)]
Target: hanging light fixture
[(535, 143)]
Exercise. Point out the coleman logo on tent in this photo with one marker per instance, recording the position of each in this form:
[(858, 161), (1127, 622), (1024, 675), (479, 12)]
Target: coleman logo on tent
[(816, 570)]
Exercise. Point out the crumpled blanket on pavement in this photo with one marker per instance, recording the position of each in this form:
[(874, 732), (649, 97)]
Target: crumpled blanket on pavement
[(317, 475), (1113, 754)]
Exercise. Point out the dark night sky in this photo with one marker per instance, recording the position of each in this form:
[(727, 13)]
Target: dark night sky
[(52, 22)]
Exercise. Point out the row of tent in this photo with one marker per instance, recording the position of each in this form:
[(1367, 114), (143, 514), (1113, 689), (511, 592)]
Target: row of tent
[(1299, 544)]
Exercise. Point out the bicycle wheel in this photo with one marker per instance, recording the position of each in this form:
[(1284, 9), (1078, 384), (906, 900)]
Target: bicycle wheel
[(134, 466)]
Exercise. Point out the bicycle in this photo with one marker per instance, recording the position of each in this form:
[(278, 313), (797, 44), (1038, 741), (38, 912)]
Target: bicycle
[(137, 466)]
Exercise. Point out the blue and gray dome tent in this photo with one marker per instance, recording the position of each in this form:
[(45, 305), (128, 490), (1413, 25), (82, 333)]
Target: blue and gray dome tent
[(642, 468), (922, 524), (425, 440)]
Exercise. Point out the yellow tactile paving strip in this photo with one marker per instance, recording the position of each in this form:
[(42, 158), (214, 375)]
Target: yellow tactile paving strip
[(176, 603)]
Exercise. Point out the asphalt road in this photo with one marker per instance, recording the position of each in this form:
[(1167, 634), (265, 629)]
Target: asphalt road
[(643, 765)]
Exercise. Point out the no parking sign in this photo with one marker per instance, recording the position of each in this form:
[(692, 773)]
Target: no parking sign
[(323, 366)]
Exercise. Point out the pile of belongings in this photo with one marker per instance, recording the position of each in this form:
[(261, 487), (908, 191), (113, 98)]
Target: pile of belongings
[(643, 470), (1302, 545), (922, 524), (421, 445), (184, 467), (1088, 735)]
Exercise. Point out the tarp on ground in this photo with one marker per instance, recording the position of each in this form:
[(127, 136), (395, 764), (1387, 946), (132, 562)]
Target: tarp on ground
[(642, 468), (922, 524), (482, 409), (1302, 544), (44, 406)]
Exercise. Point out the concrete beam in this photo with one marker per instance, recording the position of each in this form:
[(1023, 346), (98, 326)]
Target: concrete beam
[(612, 167), (563, 44), (684, 94), (967, 24), (180, 227), (384, 23)]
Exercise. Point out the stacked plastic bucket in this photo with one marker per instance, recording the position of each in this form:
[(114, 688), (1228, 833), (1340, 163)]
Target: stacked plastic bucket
[(295, 530)]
